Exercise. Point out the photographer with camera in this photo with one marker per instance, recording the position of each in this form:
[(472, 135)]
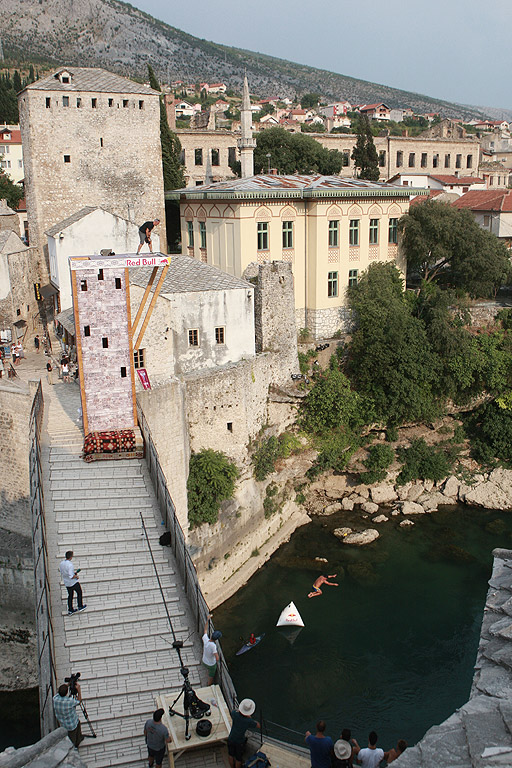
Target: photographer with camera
[(65, 703)]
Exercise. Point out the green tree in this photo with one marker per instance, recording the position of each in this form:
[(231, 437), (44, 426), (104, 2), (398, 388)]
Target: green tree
[(365, 155), (390, 358), (10, 191), (211, 480), (446, 244), (294, 153), (153, 82), (16, 81), (8, 102), (332, 404), (310, 100), (31, 76)]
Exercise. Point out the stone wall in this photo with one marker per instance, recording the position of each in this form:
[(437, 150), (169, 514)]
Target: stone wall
[(15, 403), (207, 141), (484, 313), (164, 410), (16, 287), (324, 323)]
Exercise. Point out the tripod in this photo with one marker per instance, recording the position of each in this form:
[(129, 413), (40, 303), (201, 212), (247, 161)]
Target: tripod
[(92, 734), (190, 702)]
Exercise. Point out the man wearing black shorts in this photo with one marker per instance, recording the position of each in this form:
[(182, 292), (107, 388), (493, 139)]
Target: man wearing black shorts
[(145, 234), (242, 720), (157, 736)]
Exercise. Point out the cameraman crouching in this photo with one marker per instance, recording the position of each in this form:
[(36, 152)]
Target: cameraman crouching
[(65, 706)]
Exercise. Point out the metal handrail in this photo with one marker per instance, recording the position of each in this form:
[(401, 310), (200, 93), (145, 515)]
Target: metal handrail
[(184, 563)]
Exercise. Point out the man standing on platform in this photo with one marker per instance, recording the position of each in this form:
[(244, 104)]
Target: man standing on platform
[(145, 234), (320, 746), (70, 579), (210, 652), (65, 712)]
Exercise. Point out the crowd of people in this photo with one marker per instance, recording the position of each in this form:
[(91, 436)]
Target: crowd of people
[(346, 752)]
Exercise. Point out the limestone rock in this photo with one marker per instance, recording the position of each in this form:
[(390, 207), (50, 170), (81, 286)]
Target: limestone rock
[(321, 559), (428, 485), (380, 519), (406, 523), (432, 501), (370, 507), (334, 486), (361, 538), (395, 512), (496, 493), (451, 487), (356, 498), (383, 494), (415, 492), (341, 533), (412, 508), (362, 490), (330, 509), (403, 491), (347, 504)]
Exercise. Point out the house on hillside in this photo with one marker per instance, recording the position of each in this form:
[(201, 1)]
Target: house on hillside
[(492, 210), (11, 153), (375, 111), (446, 183), (328, 228), (495, 174)]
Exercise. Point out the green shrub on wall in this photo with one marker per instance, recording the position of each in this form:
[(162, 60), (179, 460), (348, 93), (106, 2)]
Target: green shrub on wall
[(268, 451), (379, 459), (211, 480)]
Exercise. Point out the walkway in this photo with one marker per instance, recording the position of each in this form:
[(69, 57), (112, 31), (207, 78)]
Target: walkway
[(118, 643)]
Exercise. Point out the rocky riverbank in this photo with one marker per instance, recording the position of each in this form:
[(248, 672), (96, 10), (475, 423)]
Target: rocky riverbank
[(377, 503)]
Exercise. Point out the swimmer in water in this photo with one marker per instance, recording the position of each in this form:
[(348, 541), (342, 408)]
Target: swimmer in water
[(316, 591)]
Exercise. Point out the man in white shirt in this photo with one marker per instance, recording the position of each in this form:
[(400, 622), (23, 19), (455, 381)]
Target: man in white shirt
[(70, 579), (210, 653), (371, 756)]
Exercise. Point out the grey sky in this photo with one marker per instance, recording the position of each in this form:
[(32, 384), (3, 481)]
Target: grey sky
[(457, 50)]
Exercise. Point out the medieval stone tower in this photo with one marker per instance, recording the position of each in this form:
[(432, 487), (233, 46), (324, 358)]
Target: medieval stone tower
[(246, 143), (90, 138)]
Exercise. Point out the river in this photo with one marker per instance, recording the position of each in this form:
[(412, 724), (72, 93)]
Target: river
[(391, 649)]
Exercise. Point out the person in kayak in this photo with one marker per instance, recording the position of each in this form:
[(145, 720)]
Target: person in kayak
[(316, 591)]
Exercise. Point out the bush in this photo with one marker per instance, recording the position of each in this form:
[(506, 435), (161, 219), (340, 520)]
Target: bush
[(270, 503), (303, 362), (505, 317), (211, 480), (423, 462), (379, 458), (268, 451), (372, 476), (490, 431), (336, 450), (332, 404), (392, 434)]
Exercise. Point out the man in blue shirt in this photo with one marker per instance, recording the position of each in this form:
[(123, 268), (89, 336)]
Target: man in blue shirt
[(320, 746), (65, 712)]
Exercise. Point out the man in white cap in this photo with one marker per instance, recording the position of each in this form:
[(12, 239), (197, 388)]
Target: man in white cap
[(242, 720)]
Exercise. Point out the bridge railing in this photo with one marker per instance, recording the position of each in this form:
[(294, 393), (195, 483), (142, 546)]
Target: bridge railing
[(185, 566), (44, 626)]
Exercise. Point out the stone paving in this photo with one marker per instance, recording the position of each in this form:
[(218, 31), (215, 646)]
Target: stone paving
[(119, 642)]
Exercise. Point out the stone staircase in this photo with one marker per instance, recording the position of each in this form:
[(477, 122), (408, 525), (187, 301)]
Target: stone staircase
[(121, 643)]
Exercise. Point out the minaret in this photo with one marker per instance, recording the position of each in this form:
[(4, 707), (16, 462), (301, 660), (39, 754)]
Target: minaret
[(246, 143)]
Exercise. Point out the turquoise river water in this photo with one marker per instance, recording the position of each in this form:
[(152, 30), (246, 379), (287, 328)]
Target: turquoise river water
[(391, 649)]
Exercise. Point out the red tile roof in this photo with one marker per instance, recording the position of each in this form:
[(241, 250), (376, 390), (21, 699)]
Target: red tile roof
[(15, 136), (457, 180), (486, 200), (365, 107)]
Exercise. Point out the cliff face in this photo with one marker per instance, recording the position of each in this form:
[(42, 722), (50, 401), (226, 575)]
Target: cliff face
[(117, 36)]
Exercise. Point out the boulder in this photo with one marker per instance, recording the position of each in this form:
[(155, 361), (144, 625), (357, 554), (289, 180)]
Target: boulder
[(415, 492), (330, 509), (356, 498), (406, 523), (341, 533), (362, 538), (362, 490), (370, 507), (451, 487), (403, 491), (347, 504), (334, 486), (380, 519), (383, 494), (428, 485), (495, 493), (321, 559), (411, 508), (395, 512), (432, 501)]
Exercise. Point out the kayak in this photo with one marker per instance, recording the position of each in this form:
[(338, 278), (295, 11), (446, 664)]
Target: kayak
[(247, 646), (290, 617)]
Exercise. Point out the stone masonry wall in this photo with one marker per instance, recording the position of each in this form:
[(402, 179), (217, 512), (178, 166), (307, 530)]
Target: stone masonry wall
[(164, 410), (323, 323), (15, 404), (114, 155), (18, 267)]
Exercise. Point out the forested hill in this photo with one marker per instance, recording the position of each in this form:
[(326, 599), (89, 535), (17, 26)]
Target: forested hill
[(117, 36)]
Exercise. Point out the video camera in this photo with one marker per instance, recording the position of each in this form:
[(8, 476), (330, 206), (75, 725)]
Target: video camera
[(72, 680)]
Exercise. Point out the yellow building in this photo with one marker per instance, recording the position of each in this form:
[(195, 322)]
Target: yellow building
[(329, 228)]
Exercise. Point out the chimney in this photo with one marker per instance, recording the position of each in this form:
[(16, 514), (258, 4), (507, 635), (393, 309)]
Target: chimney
[(273, 171)]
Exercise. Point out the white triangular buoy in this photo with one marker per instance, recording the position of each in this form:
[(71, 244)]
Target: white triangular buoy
[(290, 617)]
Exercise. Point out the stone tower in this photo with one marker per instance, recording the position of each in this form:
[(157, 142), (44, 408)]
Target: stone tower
[(246, 143), (90, 138)]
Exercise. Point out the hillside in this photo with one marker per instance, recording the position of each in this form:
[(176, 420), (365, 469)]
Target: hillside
[(115, 35)]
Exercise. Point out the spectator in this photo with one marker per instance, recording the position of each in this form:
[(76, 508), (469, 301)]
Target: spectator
[(242, 720), (320, 746), (395, 752), (36, 343), (342, 756), (370, 756), (210, 653), (65, 712), (157, 736)]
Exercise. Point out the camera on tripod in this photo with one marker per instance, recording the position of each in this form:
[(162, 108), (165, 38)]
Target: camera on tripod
[(72, 680), (192, 706)]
